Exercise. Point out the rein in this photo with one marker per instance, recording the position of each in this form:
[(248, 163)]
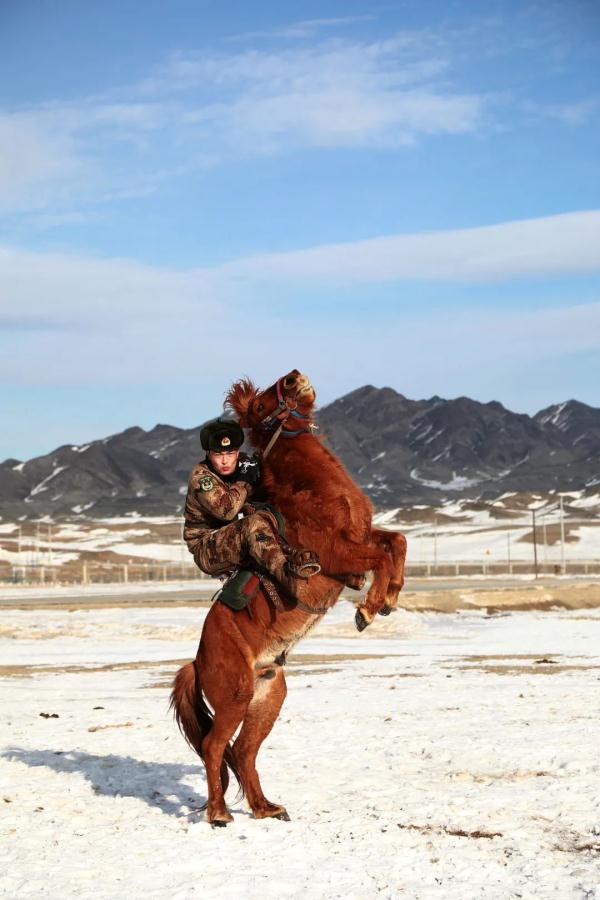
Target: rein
[(275, 599)]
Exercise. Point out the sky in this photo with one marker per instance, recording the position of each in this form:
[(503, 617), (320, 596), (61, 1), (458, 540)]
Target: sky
[(404, 194)]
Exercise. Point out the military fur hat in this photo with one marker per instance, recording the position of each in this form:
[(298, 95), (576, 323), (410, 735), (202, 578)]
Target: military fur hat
[(221, 435)]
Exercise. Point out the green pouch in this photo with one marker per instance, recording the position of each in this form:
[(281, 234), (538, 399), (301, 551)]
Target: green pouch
[(275, 512), (238, 592)]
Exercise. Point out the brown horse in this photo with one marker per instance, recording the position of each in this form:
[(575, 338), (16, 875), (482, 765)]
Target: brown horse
[(239, 666)]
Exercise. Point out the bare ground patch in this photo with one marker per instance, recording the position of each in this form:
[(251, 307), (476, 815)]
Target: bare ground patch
[(477, 834)]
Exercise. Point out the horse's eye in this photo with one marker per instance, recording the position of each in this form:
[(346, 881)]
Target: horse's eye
[(260, 407)]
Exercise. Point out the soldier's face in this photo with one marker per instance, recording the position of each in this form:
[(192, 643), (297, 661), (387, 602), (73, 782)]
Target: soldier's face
[(224, 461)]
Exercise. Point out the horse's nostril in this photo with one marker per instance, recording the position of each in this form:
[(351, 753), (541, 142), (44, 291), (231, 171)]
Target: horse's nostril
[(289, 381)]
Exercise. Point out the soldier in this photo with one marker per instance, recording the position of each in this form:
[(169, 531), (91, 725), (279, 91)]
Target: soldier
[(222, 530)]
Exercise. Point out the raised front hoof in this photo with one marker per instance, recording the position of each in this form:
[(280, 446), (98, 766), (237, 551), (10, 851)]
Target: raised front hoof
[(385, 610), (360, 621)]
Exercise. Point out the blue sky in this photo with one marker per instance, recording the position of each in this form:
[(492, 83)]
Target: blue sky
[(402, 194)]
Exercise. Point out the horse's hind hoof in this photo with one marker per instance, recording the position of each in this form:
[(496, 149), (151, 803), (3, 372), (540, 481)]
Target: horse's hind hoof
[(385, 610), (218, 823), (283, 816), (360, 621)]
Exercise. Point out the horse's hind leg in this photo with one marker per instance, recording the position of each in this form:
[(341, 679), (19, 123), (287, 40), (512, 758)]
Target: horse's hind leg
[(228, 686), (395, 543), (269, 694), (213, 747)]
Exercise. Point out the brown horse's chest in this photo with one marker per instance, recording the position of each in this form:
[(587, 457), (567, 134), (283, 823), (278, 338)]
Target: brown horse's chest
[(283, 643)]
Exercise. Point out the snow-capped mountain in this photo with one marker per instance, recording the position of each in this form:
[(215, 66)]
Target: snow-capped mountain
[(400, 451)]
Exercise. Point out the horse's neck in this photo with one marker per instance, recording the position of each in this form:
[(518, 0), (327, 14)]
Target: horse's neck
[(283, 460)]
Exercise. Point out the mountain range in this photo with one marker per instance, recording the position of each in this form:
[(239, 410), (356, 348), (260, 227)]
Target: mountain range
[(400, 451)]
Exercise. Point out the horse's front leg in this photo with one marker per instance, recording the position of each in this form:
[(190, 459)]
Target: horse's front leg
[(375, 601), (269, 693), (350, 556), (395, 543)]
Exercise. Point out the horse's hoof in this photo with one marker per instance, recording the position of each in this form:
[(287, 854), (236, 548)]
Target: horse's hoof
[(355, 582), (218, 823), (283, 816), (360, 621), (385, 610)]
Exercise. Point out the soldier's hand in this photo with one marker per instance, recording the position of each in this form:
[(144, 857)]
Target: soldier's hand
[(249, 471)]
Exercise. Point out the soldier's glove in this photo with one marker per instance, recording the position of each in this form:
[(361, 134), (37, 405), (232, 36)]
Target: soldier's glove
[(249, 471)]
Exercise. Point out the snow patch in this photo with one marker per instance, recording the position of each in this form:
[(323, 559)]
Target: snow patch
[(457, 483), (43, 485), (81, 507)]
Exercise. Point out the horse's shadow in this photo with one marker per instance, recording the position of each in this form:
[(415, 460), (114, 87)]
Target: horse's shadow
[(157, 784)]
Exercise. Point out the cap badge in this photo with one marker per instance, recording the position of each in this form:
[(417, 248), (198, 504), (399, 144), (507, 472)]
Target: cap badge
[(225, 441)]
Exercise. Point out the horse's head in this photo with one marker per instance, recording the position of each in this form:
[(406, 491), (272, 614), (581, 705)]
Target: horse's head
[(292, 395)]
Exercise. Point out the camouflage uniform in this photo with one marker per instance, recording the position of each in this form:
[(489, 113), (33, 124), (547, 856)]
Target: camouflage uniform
[(217, 538)]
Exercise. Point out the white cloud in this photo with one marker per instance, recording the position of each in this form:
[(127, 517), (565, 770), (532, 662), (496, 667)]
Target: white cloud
[(303, 29), (33, 156), (579, 112), (561, 244), (203, 110), (70, 319), (83, 290)]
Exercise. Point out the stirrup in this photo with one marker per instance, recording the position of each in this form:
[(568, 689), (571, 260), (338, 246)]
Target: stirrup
[(302, 563)]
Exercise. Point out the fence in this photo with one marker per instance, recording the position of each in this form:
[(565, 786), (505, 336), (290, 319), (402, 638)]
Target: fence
[(100, 573), (111, 573)]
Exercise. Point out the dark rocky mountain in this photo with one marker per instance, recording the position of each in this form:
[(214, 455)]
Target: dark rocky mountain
[(400, 451), (403, 451)]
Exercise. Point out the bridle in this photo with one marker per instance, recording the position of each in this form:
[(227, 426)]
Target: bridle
[(278, 418)]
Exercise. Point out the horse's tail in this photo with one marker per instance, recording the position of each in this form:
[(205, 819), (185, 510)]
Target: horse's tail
[(195, 719)]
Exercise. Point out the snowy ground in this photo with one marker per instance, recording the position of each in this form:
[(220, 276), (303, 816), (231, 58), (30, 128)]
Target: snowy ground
[(434, 756)]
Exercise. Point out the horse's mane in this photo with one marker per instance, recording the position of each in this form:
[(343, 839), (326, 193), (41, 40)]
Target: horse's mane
[(239, 399)]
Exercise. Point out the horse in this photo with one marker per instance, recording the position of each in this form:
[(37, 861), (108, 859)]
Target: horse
[(239, 668)]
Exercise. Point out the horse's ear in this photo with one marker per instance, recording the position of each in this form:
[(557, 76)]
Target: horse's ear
[(239, 399)]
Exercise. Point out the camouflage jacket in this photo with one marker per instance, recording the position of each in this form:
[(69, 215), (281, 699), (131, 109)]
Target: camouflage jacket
[(211, 502)]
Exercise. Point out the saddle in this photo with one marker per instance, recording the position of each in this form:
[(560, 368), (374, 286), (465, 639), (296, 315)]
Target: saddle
[(240, 589)]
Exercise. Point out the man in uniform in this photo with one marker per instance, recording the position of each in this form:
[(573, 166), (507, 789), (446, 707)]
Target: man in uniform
[(222, 529)]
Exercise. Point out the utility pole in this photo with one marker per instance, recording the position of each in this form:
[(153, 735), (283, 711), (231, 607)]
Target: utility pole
[(508, 550), (435, 543), (562, 537), (535, 559), (19, 545), (545, 538)]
